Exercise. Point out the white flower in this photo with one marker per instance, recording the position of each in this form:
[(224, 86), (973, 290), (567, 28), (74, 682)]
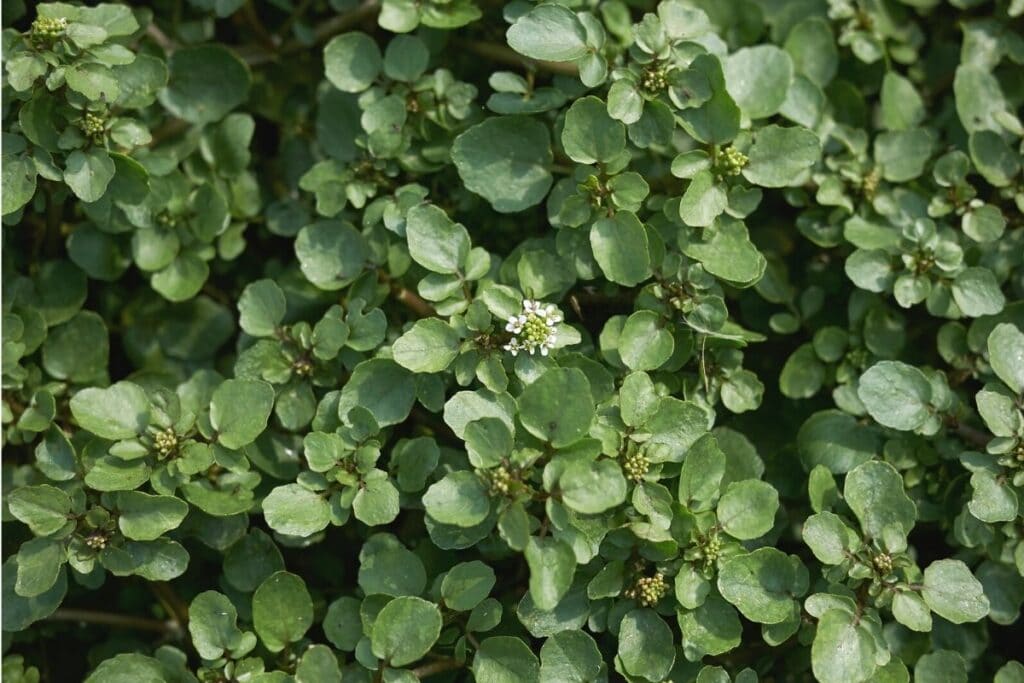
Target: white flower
[(535, 328)]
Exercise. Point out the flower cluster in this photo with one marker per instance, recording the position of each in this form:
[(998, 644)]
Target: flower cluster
[(883, 563), (46, 30), (165, 442), (94, 126), (707, 551), (636, 465), (534, 328), (654, 79), (731, 162), (500, 481), (648, 590)]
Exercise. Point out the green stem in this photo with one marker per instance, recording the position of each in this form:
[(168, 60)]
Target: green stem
[(116, 620)]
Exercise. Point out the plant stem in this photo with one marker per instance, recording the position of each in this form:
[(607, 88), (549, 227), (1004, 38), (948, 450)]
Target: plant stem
[(326, 30), (117, 620), (437, 667), (175, 606), (160, 38), (506, 55)]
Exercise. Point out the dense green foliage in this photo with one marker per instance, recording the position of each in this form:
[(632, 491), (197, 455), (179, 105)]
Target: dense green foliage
[(592, 340)]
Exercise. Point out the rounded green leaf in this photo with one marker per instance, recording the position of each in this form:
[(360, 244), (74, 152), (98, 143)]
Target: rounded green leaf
[(760, 584), (405, 630), (897, 395), (747, 509), (296, 511), (282, 610), (143, 517), (352, 61), (592, 487), (758, 79), (620, 247), (977, 292), (549, 31), (843, 650), (435, 241), (569, 657), (88, 173), (330, 253), (645, 342), (505, 160), (590, 135), (212, 625), (459, 499), (504, 659), (466, 585), (952, 592), (645, 645), (1006, 355), (239, 410), (121, 411), (558, 407), (261, 308), (780, 156), (206, 82), (874, 491), (429, 346)]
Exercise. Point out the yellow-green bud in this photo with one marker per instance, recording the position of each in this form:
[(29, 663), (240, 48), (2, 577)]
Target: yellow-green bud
[(94, 126), (500, 481), (96, 541), (302, 367), (731, 162), (46, 30), (654, 79), (869, 186), (165, 442), (648, 590), (636, 465)]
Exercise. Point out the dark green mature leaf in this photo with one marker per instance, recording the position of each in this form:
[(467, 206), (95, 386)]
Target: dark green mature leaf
[(952, 592), (545, 414), (504, 659), (620, 247), (552, 566), (645, 645), (549, 32), (780, 156), (896, 394), (505, 160), (282, 610), (405, 630), (239, 410), (760, 584), (352, 61), (206, 82), (120, 411)]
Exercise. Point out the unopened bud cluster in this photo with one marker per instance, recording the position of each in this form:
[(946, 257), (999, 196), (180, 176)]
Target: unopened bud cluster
[(165, 442), (869, 186), (654, 79), (883, 563), (94, 126), (96, 541), (648, 590), (45, 30), (731, 162), (500, 481), (636, 465), (708, 551), (302, 367), (533, 329)]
